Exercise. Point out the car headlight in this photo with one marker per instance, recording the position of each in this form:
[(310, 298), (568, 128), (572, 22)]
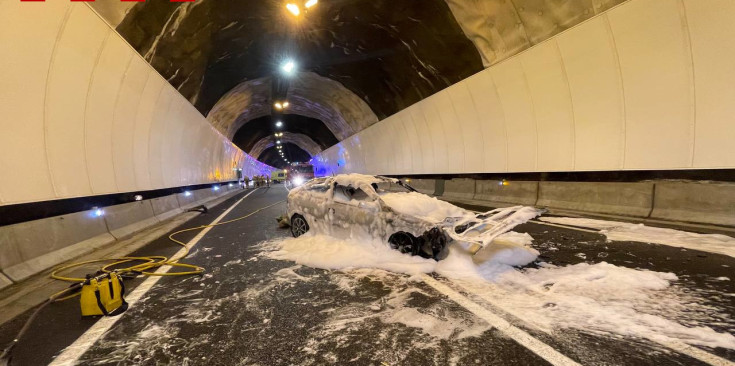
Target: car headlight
[(298, 181)]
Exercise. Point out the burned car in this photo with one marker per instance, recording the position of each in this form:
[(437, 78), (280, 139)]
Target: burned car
[(351, 205)]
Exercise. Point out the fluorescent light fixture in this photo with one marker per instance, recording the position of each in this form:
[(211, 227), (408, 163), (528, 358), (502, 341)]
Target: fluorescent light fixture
[(310, 3), (293, 8), (288, 67)]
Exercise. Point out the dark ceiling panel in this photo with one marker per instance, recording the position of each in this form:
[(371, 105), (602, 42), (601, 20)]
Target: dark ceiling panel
[(391, 53)]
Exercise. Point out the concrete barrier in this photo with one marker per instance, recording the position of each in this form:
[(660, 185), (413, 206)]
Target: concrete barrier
[(128, 218), (700, 202), (165, 207), (461, 188), (34, 246), (506, 193), (195, 198), (31, 247), (425, 186), (628, 199)]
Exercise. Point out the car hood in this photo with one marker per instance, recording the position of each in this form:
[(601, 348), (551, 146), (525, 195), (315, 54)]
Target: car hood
[(422, 206)]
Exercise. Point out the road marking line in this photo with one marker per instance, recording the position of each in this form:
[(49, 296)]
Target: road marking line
[(696, 353), (534, 345), (71, 354)]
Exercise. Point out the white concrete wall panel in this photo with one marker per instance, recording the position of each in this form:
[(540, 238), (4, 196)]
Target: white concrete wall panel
[(156, 137), (646, 85), (520, 123), (100, 109), (83, 114), (428, 113), (655, 61), (469, 120), (376, 161), (391, 141), (123, 124), (402, 143), (150, 97), (593, 74), (492, 121), (711, 28), (28, 33), (413, 142), (173, 138), (552, 106), (69, 77), (453, 136), (425, 138)]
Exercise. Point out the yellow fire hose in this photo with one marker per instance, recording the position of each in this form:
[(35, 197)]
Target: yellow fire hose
[(149, 262), (147, 268)]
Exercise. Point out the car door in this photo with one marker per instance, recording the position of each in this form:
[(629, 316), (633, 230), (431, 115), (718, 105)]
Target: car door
[(354, 211)]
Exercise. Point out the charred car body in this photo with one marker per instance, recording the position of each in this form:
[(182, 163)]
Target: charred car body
[(389, 209)]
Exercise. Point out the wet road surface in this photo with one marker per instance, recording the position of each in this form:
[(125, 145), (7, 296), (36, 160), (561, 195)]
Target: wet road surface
[(251, 310)]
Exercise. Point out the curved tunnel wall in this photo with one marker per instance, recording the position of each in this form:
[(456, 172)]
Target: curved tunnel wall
[(83, 114), (646, 85)]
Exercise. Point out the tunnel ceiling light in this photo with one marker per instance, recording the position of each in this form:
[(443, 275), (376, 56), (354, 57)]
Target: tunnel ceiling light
[(293, 9), (288, 67), (310, 3), (279, 124), (138, 197), (278, 142)]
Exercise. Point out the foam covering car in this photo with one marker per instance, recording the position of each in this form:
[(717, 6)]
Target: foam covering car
[(356, 205)]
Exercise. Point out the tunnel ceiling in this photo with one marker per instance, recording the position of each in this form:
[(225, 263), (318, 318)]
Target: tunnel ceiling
[(292, 152), (359, 61), (257, 130)]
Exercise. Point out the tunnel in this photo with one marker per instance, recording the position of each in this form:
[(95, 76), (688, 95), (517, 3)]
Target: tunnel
[(368, 182)]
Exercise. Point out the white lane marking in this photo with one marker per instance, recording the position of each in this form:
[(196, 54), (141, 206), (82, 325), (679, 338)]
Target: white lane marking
[(534, 345), (71, 354), (697, 353)]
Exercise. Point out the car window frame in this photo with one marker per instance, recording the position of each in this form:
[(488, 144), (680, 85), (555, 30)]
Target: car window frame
[(372, 197)]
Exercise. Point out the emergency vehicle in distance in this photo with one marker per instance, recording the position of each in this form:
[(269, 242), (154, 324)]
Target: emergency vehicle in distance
[(279, 176), (300, 172)]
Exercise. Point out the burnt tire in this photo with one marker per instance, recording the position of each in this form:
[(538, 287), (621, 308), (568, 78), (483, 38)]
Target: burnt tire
[(299, 226), (404, 243)]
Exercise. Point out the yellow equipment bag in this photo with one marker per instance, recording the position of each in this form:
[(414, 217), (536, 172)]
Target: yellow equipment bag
[(103, 295)]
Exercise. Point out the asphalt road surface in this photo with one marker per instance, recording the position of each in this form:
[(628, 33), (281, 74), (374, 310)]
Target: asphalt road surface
[(251, 310)]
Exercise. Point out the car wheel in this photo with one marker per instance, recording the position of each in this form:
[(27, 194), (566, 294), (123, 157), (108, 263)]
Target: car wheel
[(403, 242), (299, 226)]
